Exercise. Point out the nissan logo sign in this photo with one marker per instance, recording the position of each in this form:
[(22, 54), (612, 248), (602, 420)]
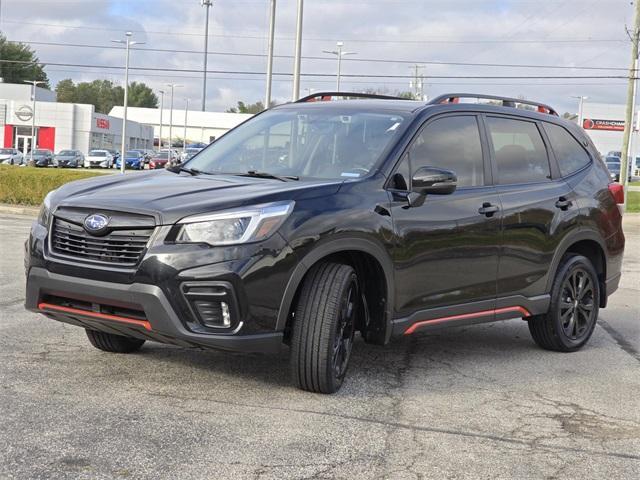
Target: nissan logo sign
[(24, 113)]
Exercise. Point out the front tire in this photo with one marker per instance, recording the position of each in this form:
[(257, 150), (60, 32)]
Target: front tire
[(324, 327), (108, 342), (573, 312)]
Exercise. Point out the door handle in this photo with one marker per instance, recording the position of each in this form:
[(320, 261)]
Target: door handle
[(488, 209), (563, 203)]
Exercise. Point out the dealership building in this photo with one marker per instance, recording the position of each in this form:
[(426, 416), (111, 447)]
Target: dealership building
[(61, 126), (202, 127)]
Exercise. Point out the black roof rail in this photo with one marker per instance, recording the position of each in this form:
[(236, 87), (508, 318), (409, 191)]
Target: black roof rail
[(506, 101), (327, 96)]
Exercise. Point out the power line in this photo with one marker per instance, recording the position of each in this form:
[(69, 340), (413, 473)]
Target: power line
[(262, 36), (351, 75), (311, 57)]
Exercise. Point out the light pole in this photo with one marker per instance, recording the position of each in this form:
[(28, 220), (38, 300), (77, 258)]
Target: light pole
[(172, 86), (581, 99), (207, 4), (272, 26), (298, 53), (184, 136), (161, 109), (128, 43), (339, 53), (34, 84)]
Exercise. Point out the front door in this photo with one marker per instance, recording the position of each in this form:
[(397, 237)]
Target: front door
[(23, 143), (446, 253)]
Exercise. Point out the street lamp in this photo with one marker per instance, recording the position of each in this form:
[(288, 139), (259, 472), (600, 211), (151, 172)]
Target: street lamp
[(34, 84), (161, 109), (207, 4), (184, 136), (339, 54), (582, 98), (128, 43), (172, 86)]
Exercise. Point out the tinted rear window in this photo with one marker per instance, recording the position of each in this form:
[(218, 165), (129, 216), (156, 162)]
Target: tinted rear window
[(520, 154), (569, 153)]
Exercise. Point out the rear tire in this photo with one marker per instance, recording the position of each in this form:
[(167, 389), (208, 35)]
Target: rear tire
[(108, 342), (573, 312), (324, 327)]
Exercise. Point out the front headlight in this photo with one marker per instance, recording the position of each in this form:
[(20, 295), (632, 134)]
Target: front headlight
[(44, 217), (244, 225)]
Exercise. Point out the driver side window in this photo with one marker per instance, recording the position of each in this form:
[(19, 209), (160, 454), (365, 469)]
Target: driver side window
[(452, 143)]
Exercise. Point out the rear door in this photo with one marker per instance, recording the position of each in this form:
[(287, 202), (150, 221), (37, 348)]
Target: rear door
[(447, 249), (538, 207)]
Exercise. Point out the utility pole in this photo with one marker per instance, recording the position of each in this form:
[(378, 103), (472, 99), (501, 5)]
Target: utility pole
[(418, 82), (631, 100), (128, 43), (272, 28), (207, 4), (161, 109), (339, 54), (298, 53), (34, 84)]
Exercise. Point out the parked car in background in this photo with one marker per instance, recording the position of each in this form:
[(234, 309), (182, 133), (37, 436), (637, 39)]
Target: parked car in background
[(11, 156), (613, 164), (98, 159), (115, 154), (188, 153), (614, 153), (144, 153), (68, 158), (40, 157), (133, 159), (159, 160)]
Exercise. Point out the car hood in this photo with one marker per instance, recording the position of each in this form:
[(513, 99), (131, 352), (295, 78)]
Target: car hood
[(6, 156), (96, 159), (169, 196), (65, 157)]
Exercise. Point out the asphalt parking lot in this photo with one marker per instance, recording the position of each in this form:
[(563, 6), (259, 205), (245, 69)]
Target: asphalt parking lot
[(476, 402)]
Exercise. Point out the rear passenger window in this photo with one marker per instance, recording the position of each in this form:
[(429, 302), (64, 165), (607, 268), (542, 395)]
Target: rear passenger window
[(569, 153), (520, 154), (452, 143)]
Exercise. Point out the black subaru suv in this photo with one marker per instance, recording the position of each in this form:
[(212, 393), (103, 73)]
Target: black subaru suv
[(336, 214)]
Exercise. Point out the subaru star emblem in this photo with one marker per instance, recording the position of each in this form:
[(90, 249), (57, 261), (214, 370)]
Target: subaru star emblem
[(96, 223)]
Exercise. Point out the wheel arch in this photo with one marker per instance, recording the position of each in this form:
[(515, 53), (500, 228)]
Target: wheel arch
[(590, 245), (369, 259)]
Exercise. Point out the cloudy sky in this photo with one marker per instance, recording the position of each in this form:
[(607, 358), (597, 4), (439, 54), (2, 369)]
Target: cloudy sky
[(388, 36)]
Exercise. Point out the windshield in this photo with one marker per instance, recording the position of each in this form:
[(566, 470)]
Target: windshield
[(67, 152), (6, 150), (133, 153), (310, 142), (163, 155), (41, 152), (98, 153)]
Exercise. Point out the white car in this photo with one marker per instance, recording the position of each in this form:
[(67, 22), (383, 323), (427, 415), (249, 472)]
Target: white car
[(98, 159), (11, 156)]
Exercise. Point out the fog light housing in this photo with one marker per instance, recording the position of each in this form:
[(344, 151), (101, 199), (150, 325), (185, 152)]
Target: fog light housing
[(214, 306)]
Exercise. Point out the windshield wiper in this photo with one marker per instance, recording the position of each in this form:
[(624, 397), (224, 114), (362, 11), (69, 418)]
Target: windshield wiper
[(256, 174), (192, 171)]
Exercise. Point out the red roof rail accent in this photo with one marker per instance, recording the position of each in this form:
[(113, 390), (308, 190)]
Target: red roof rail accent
[(505, 101)]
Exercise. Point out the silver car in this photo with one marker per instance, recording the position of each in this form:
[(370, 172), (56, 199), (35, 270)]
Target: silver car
[(11, 156)]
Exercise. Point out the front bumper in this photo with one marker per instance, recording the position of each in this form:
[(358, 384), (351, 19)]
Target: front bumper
[(157, 320)]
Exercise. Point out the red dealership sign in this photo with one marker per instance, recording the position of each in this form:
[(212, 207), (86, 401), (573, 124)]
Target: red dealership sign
[(593, 124), (102, 123)]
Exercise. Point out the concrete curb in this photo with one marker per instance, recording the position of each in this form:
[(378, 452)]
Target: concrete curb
[(19, 210)]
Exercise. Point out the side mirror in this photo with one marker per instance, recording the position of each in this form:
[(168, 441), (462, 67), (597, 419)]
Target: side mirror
[(433, 180)]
